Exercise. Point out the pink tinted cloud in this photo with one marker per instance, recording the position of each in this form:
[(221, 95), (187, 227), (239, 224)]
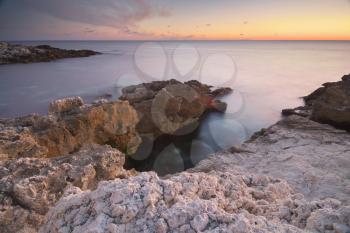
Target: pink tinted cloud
[(111, 13)]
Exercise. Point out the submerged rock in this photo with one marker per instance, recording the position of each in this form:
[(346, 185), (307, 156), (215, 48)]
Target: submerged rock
[(172, 107), (329, 104), (10, 54), (29, 187), (70, 125)]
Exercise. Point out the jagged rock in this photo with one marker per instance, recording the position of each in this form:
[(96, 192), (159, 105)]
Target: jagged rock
[(30, 186), (68, 127), (313, 158), (43, 53), (172, 107), (65, 105), (197, 202), (329, 104)]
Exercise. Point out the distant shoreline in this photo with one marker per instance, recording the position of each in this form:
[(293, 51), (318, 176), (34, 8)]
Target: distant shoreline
[(15, 53)]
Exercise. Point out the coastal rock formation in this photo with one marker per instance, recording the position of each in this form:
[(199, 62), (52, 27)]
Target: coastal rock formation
[(300, 184), (70, 125), (329, 104), (313, 158), (30, 186), (10, 54), (292, 177), (195, 202), (172, 107)]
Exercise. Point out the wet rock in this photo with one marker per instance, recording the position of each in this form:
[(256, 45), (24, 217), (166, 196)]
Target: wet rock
[(68, 127), (329, 104), (30, 186), (190, 202), (172, 107), (10, 54)]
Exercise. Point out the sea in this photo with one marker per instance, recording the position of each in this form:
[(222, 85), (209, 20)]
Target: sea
[(266, 76)]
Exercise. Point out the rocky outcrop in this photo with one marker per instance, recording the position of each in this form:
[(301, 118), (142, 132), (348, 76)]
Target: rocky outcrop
[(172, 107), (70, 125), (313, 158), (329, 104), (195, 202), (291, 177), (30, 186), (10, 54)]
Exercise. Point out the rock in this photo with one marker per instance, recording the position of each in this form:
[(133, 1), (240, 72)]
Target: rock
[(299, 111), (221, 91), (65, 105), (190, 202), (218, 106), (172, 107), (68, 127), (312, 157), (329, 104), (10, 54), (328, 219), (30, 186), (291, 177)]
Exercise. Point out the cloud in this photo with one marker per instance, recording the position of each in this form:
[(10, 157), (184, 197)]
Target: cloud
[(110, 13), (89, 30)]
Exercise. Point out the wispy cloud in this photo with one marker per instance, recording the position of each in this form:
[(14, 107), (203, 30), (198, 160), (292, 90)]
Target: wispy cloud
[(110, 13), (89, 30)]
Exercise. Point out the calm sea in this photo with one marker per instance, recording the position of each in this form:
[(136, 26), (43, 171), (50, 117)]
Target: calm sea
[(266, 77)]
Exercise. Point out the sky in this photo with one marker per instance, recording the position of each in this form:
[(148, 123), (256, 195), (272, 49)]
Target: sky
[(174, 19)]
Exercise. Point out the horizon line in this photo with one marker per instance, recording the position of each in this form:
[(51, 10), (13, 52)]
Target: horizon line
[(165, 40)]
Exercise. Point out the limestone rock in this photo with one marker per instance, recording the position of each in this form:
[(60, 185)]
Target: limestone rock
[(68, 127), (65, 105), (30, 186), (329, 104), (197, 202), (172, 107), (313, 158)]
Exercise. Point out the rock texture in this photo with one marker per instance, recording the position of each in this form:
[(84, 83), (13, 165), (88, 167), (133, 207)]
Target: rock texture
[(313, 158), (329, 104), (30, 186), (172, 107), (10, 54), (70, 125), (195, 202)]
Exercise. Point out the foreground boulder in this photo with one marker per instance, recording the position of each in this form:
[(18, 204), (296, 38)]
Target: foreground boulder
[(329, 104), (70, 125), (30, 186), (171, 107), (10, 54), (197, 202)]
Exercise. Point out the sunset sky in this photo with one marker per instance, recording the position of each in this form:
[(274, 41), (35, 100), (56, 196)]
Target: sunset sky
[(177, 19)]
